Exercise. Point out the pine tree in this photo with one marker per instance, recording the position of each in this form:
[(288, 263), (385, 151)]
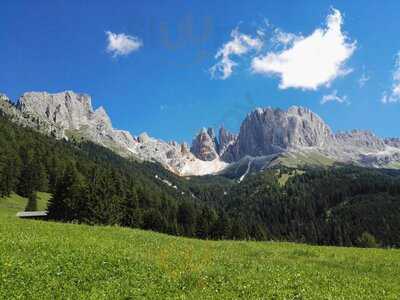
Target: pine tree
[(367, 240), (68, 202), (32, 203), (187, 218)]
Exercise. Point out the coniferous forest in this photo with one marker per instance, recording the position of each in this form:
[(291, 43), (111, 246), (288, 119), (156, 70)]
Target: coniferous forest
[(341, 205)]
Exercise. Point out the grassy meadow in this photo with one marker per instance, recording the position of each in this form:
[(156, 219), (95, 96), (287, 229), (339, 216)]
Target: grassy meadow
[(46, 260)]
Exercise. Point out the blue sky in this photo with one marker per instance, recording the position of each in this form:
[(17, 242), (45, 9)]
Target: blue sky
[(149, 63)]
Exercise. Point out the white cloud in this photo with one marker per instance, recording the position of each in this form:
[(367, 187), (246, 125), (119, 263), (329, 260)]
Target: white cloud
[(310, 61), (393, 95), (285, 39), (363, 79), (334, 97), (260, 32), (239, 45), (122, 44)]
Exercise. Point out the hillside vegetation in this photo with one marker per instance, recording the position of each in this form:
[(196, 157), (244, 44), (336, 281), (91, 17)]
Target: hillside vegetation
[(337, 205), (46, 260)]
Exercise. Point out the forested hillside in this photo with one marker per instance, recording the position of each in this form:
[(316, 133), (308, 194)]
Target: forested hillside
[(91, 184), (348, 206)]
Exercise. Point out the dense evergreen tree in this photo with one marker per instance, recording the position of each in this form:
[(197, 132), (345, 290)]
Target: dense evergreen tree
[(32, 202), (69, 200)]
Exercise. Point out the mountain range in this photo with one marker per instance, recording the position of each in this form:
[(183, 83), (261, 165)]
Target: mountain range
[(267, 137)]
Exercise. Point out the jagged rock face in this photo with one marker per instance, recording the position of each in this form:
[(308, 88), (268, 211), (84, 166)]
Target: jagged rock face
[(4, 98), (270, 131), (143, 138), (8, 108), (185, 150), (225, 139), (204, 145), (378, 160), (360, 140), (61, 111), (211, 134), (392, 142), (264, 135), (70, 115)]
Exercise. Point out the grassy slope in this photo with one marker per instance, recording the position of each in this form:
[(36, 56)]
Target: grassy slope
[(42, 199), (51, 260), (293, 160)]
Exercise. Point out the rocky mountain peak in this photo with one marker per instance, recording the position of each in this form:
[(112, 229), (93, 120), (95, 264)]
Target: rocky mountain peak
[(204, 145), (65, 110), (143, 137), (3, 97), (268, 131), (101, 118), (185, 150), (360, 139), (392, 142), (6, 107), (211, 133), (264, 134), (5, 103), (70, 115), (225, 139), (300, 110)]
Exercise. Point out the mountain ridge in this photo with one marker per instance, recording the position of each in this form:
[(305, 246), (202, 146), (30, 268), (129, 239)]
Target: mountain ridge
[(69, 115), (265, 134)]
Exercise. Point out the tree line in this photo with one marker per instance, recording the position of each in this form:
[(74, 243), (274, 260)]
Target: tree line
[(342, 205)]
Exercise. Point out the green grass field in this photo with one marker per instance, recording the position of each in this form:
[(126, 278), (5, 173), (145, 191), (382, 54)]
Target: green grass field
[(45, 260)]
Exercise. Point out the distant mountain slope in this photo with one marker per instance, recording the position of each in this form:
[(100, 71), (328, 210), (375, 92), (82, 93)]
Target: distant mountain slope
[(265, 132), (298, 137), (71, 116)]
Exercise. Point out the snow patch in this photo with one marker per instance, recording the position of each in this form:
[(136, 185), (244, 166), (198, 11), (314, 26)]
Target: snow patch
[(199, 167), (247, 171)]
